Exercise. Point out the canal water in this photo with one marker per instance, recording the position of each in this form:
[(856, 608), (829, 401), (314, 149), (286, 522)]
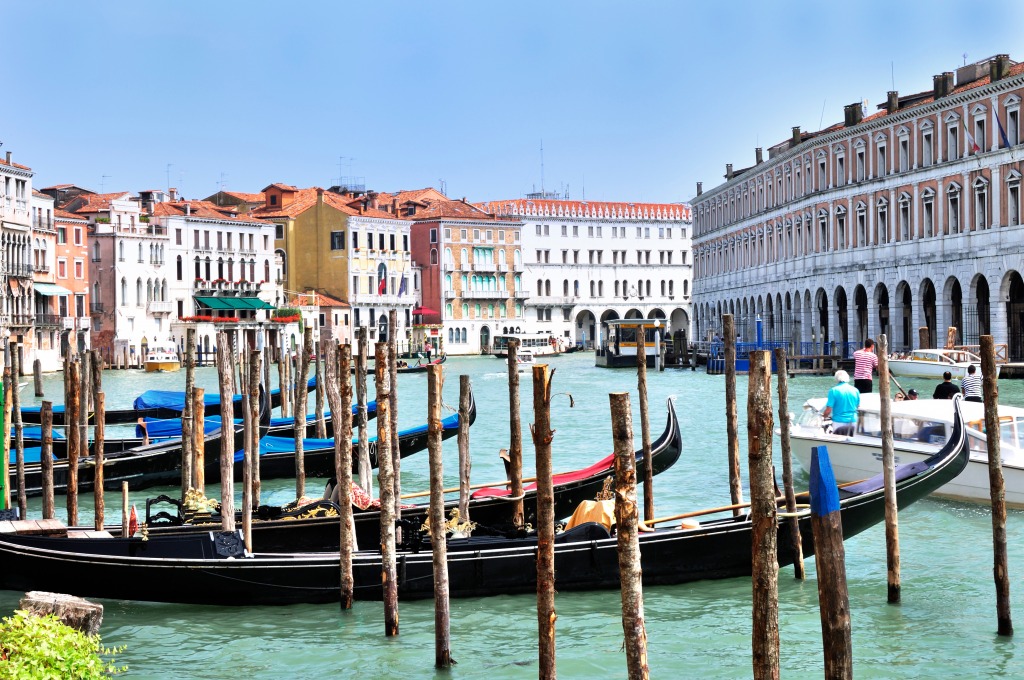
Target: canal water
[(945, 626)]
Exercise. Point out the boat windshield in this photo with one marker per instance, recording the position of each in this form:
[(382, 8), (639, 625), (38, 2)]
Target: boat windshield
[(1011, 430), (809, 418), (904, 429)]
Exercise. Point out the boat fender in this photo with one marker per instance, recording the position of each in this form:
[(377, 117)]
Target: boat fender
[(228, 544)]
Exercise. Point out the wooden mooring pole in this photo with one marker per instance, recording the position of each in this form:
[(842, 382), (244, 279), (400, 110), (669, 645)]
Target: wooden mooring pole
[(795, 541), (1000, 568), (763, 517), (465, 462), (386, 483), (299, 412), (19, 434), (199, 439), (74, 441), (365, 471), (396, 453), (46, 460), (97, 454), (830, 563), (542, 435), (731, 418), (247, 451), (125, 512), (255, 371), (337, 369), (37, 376), (282, 380), (438, 544), (515, 449), (227, 433), (321, 422), (892, 523), (5, 463), (627, 520), (187, 455), (645, 425)]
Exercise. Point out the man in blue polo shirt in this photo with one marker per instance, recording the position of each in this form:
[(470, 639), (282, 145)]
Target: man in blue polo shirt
[(843, 400)]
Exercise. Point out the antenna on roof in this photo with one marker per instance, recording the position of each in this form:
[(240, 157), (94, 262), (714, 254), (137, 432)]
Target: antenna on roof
[(169, 166), (542, 166), (103, 182), (965, 58), (822, 119)]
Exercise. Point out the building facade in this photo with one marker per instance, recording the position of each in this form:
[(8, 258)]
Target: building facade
[(472, 271), (71, 264), (589, 262), (16, 271), (905, 219)]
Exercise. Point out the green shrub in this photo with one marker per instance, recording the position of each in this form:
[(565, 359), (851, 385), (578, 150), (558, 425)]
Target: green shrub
[(43, 647)]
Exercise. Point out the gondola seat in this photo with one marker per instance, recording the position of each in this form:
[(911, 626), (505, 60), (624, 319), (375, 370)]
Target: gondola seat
[(587, 531)]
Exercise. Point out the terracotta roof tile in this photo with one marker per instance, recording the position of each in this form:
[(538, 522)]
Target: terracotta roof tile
[(14, 165), (248, 198), (569, 209), (202, 210), (62, 215), (315, 299), (91, 203)]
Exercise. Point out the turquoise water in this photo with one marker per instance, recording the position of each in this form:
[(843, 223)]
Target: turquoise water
[(945, 626)]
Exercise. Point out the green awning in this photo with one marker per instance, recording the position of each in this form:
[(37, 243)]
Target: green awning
[(236, 303), (50, 289)]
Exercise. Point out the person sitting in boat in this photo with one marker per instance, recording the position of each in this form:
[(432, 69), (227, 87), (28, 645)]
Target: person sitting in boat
[(971, 385), (946, 389), (843, 400), (912, 395)]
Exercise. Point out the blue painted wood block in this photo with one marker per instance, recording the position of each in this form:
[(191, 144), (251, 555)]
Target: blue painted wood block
[(824, 491)]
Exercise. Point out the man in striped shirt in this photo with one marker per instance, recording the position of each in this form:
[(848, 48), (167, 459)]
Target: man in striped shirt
[(864, 362), (970, 385)]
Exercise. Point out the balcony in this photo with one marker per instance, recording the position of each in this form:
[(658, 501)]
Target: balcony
[(160, 307), (502, 268), (96, 308), (485, 267), (41, 269), (156, 230), (51, 320), (521, 294), (374, 300), (20, 269), (485, 295), (17, 320), (43, 225)]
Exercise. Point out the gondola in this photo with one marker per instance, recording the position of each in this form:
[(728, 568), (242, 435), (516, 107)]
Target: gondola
[(316, 528), (422, 368), (155, 404), (586, 558)]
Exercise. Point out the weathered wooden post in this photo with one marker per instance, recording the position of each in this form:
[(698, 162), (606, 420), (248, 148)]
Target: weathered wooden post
[(627, 521), (924, 339), (97, 453), (96, 373), (365, 471), (515, 449), (796, 542), (71, 407), (5, 463), (282, 379), (338, 368), (396, 452), (386, 483), (892, 527), (542, 435), (442, 638), (46, 460), (199, 438), (830, 563), (1000, 569), (255, 370), (731, 418), (247, 451), (763, 517), (321, 422), (299, 414), (125, 511), (465, 464), (645, 425), (37, 376), (227, 433), (19, 434), (187, 453)]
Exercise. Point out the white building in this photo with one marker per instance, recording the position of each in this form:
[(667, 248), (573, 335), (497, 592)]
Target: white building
[(16, 273), (587, 262)]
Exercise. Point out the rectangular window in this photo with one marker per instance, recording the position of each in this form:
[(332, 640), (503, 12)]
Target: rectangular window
[(590, 231), (195, 239), (447, 234), (177, 237), (952, 143), (337, 240), (927, 154), (1013, 205), (62, 235), (822, 179), (206, 238), (954, 214), (904, 154), (565, 230), (355, 285), (62, 268), (575, 230), (881, 170), (929, 225), (380, 242), (433, 235), (79, 269), (220, 240), (1012, 127), (540, 229), (355, 240), (405, 243), (229, 241), (860, 166), (979, 134), (840, 171), (547, 230), (463, 234)]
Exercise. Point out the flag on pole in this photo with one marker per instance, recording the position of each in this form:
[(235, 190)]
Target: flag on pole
[(401, 287), (972, 145), (382, 286), (1002, 132)]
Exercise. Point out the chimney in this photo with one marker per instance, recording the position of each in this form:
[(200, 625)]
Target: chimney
[(394, 206), (8, 158), (319, 194), (892, 101), (948, 77), (999, 67), (938, 83), (173, 193), (188, 210), (362, 206), (373, 199), (728, 170), (796, 137), (700, 188), (758, 156), (852, 114)]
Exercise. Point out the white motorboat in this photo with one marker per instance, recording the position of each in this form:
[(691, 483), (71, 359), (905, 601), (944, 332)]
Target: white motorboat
[(524, 360), (920, 427), (932, 363), (162, 358)]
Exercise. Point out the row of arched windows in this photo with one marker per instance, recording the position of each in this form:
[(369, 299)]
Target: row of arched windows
[(155, 291)]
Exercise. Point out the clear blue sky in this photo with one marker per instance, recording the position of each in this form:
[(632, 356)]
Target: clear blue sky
[(633, 100)]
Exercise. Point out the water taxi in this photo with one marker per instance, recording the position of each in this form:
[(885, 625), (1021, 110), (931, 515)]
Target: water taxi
[(932, 363), (919, 427), (525, 360), (162, 358), (539, 343)]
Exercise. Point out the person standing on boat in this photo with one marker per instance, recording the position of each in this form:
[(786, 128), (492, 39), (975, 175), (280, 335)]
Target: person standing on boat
[(843, 400), (970, 385), (946, 389), (865, 361)]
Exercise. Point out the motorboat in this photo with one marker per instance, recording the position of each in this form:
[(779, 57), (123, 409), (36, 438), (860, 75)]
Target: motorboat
[(525, 360), (932, 363), (919, 427), (161, 359)]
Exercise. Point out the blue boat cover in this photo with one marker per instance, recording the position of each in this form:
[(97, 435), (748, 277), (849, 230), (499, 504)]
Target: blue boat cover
[(171, 400), (32, 455), (35, 434), (371, 407), (57, 408), (171, 427)]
